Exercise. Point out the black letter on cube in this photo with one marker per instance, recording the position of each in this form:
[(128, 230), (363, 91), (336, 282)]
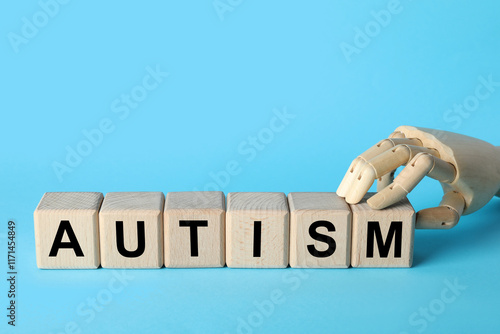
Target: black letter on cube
[(141, 240), (332, 246), (65, 226), (193, 232), (395, 230)]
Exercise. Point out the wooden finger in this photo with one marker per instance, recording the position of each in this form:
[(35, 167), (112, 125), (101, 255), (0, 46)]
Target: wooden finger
[(423, 164), (385, 180), (397, 134), (445, 216), (379, 166), (360, 161), (388, 178), (348, 178)]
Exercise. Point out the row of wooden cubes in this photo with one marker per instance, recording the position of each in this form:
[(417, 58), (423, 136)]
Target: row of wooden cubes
[(194, 229)]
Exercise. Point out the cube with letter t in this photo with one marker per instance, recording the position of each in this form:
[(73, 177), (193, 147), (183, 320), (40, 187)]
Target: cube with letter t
[(257, 228), (131, 230), (194, 229), (66, 230), (382, 238)]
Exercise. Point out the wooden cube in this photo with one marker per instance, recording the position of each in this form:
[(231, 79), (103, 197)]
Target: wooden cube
[(131, 229), (382, 238), (257, 229), (66, 230), (194, 229), (320, 230)]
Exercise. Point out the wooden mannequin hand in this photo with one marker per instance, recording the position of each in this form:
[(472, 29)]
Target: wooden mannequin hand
[(467, 168)]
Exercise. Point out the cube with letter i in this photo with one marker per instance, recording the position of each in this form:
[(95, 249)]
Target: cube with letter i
[(382, 238), (257, 230), (66, 230)]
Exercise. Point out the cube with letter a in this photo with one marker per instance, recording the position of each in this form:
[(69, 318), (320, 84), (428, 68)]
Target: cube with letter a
[(66, 230)]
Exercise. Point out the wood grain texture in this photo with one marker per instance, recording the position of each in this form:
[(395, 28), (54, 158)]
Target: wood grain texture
[(206, 206), (362, 214), (307, 208), (243, 210), (131, 207), (476, 161), (81, 210)]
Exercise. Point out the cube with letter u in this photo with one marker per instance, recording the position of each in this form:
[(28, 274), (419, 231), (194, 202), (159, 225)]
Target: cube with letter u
[(131, 230)]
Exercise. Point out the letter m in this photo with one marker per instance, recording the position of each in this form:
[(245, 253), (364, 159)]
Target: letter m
[(395, 231)]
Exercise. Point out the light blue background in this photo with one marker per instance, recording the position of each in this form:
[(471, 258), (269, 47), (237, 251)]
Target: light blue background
[(226, 76)]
